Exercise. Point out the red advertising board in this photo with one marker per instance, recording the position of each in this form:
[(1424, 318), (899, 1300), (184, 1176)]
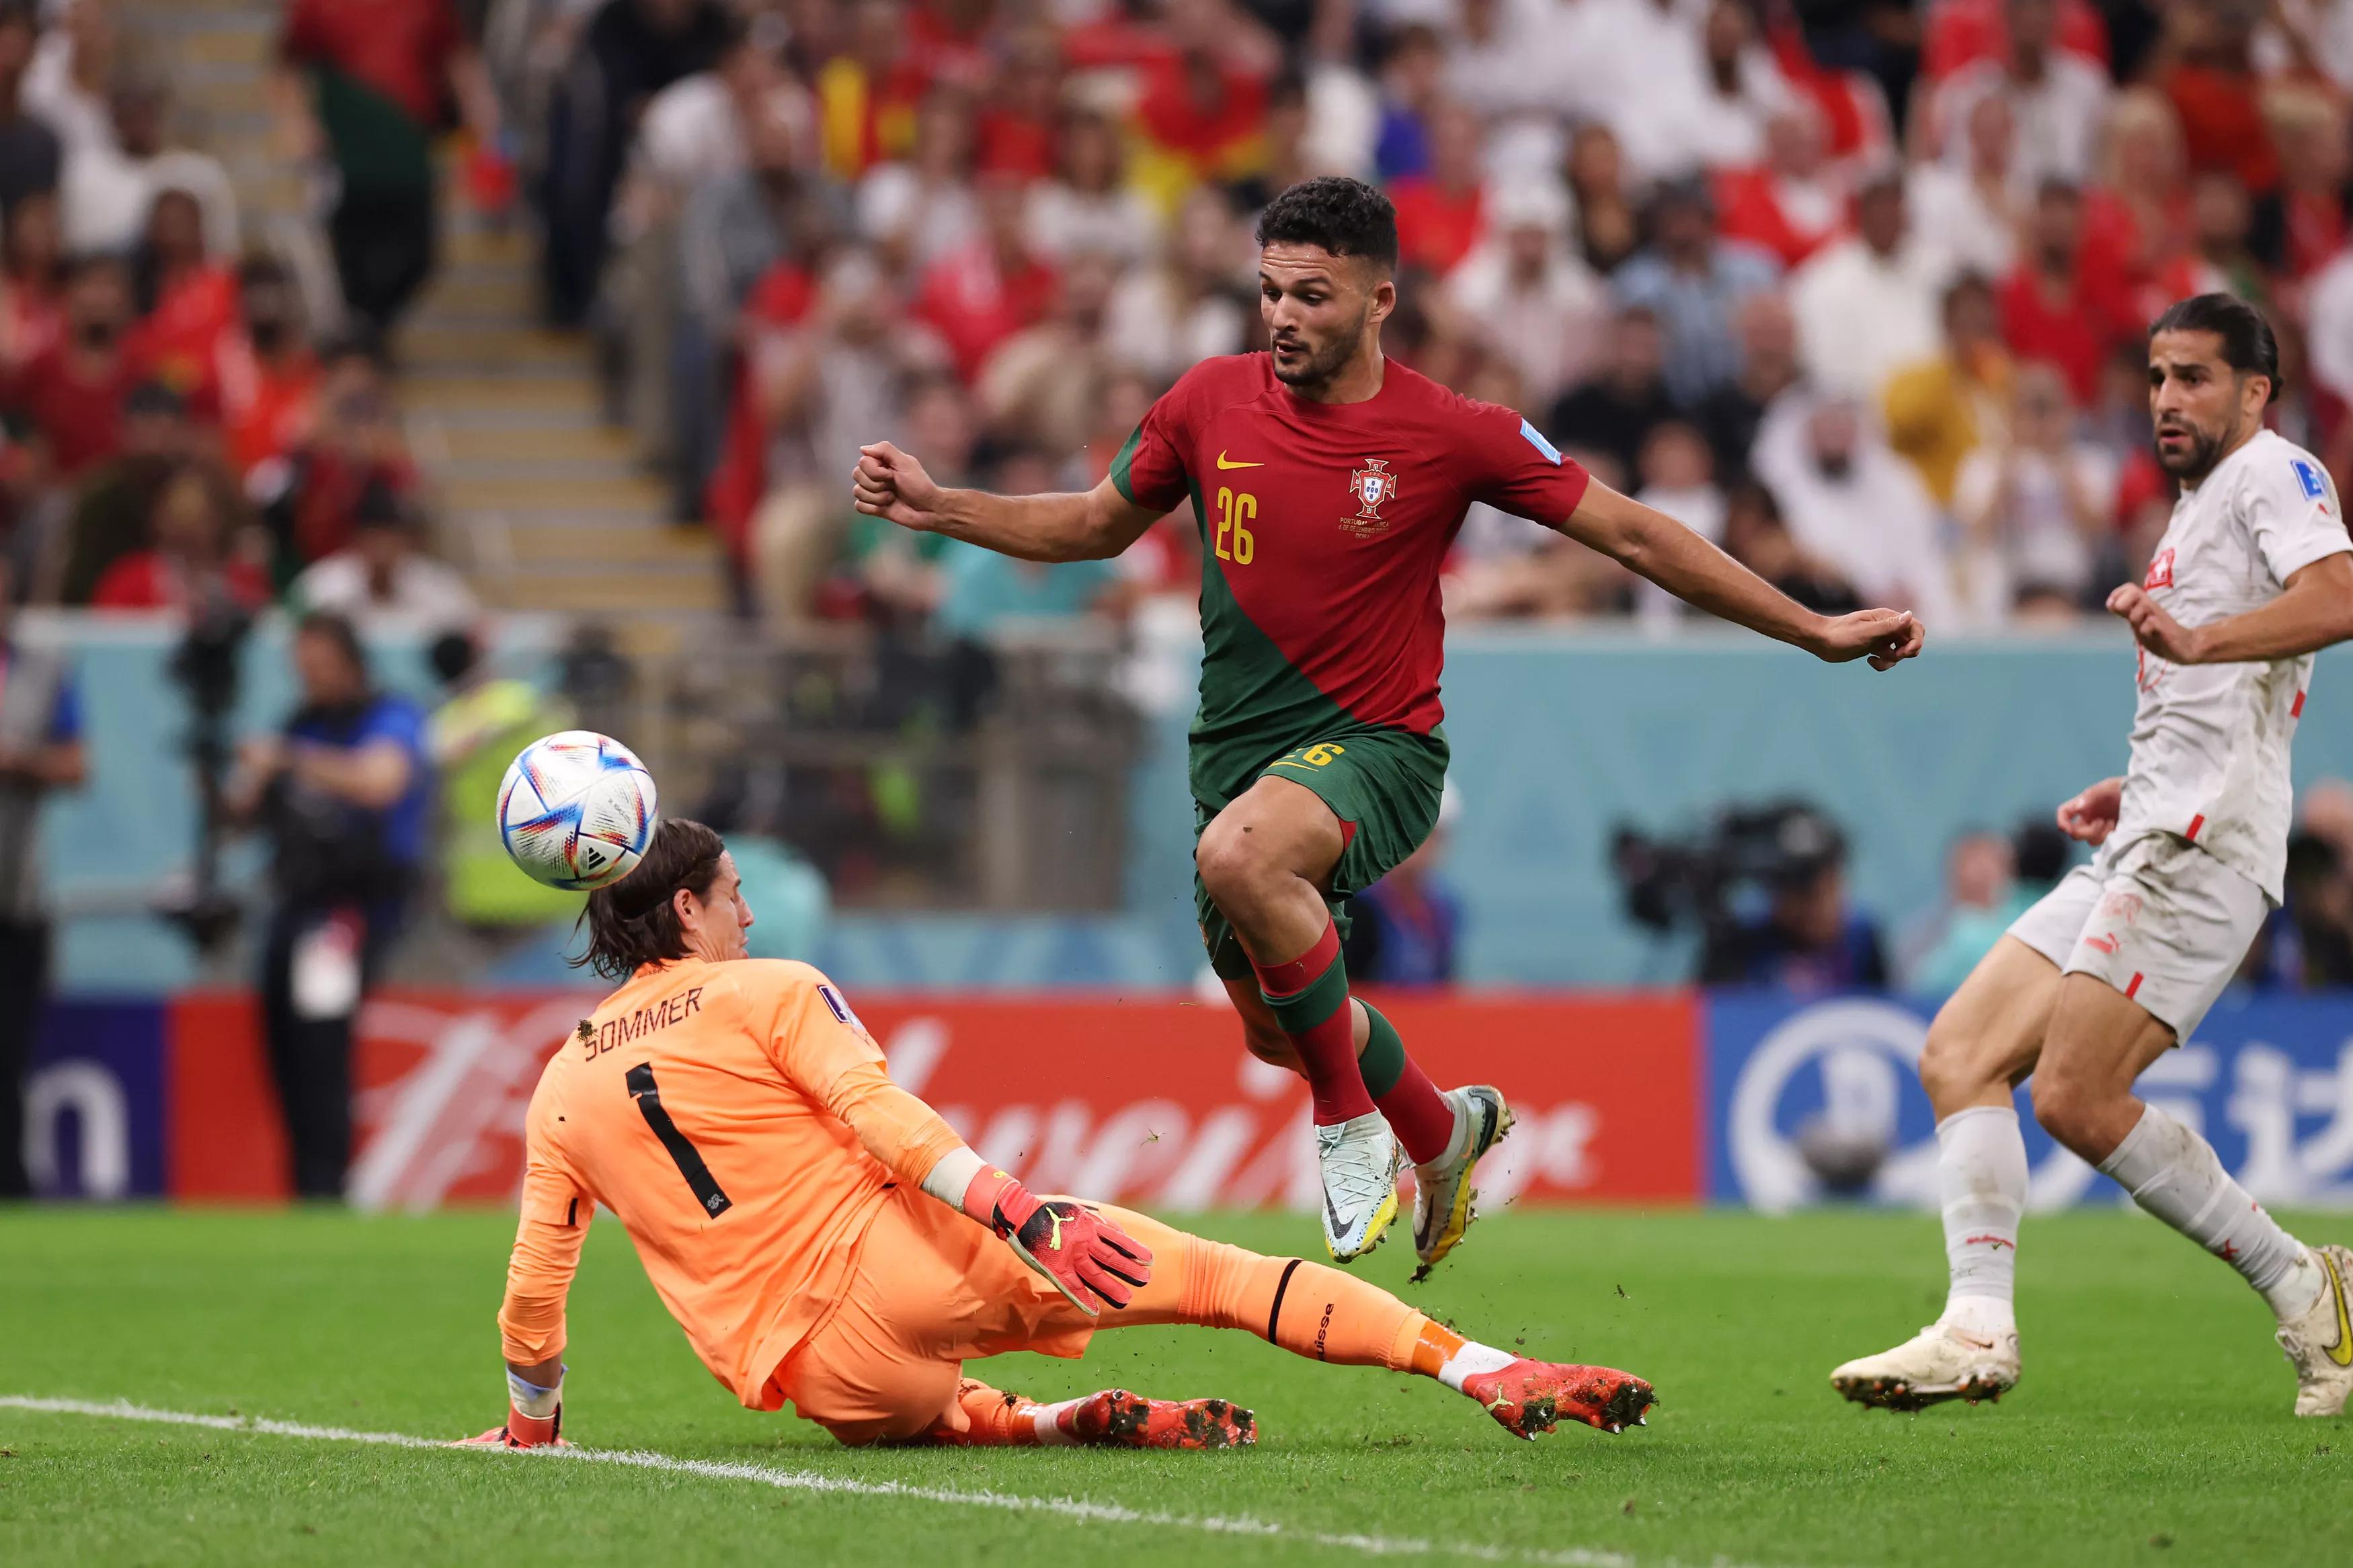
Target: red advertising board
[(1150, 1103)]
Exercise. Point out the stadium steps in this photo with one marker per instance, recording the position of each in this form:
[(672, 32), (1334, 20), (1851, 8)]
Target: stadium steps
[(545, 504)]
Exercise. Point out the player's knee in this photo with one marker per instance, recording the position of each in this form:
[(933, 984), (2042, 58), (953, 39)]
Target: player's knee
[(1231, 867), (1947, 1071), (1270, 1046), (2065, 1106)]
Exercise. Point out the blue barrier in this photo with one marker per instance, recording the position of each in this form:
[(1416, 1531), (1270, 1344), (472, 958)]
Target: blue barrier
[(2268, 1080)]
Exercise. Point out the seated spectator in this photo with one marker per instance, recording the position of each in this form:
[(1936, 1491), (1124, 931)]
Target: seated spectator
[(1406, 928), (1981, 898), (2039, 506), (1940, 408), (1441, 211), (1693, 280), (1038, 386), (73, 391), (2223, 220), (383, 581), (111, 185), (2308, 213), (112, 508), (1969, 210), (1616, 410), (981, 293), (1289, 159), (917, 209), (199, 557), (1193, 303), (2204, 64), (32, 266), (2056, 98), (2058, 304), (1087, 203), (31, 157), (1730, 93), (1794, 202), (868, 93), (1810, 940), (1411, 72), (982, 590), (484, 720), (1526, 298), (187, 301), (268, 374), (1609, 229), (1197, 115), (1867, 304), (1678, 475), (1755, 535), (1730, 416), (817, 390), (1851, 501), (354, 442), (886, 574)]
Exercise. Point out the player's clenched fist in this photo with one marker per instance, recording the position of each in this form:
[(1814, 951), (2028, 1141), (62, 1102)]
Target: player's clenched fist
[(2152, 628), (1088, 1259), (891, 485)]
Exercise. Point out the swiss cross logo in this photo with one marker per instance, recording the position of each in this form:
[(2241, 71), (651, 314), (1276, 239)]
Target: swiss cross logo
[(2160, 570), (1371, 485)]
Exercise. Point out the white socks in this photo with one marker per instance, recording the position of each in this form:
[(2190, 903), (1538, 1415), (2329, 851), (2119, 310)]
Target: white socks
[(1471, 1361), (1981, 1161), (2173, 1174), (1046, 1420)]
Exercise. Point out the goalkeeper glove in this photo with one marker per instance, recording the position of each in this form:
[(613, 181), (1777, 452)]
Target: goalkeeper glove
[(1087, 1258), (534, 1418)]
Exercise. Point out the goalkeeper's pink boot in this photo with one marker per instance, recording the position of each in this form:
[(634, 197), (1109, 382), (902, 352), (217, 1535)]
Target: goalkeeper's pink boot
[(1532, 1396), (1118, 1420), (521, 1431)]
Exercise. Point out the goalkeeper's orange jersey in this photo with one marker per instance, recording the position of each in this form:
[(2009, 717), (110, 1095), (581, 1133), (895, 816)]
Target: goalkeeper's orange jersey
[(738, 1120)]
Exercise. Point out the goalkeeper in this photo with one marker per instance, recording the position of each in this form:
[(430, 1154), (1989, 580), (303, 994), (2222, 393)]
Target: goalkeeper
[(824, 1238)]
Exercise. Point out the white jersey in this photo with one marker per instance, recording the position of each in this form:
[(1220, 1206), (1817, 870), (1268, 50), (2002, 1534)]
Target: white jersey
[(2209, 741)]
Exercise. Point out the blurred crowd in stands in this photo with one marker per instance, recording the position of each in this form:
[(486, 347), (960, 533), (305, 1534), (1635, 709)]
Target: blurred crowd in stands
[(1858, 290)]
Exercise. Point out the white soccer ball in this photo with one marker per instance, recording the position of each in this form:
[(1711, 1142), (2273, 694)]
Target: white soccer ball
[(576, 810)]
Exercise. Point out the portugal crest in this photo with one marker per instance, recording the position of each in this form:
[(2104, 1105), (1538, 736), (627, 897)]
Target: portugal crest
[(1372, 485)]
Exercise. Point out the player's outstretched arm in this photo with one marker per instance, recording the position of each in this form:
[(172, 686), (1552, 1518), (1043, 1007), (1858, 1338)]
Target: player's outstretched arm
[(1093, 525), (531, 1327), (2315, 610), (1655, 545)]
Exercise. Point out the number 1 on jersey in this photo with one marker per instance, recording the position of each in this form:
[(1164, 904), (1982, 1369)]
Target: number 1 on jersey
[(1234, 515)]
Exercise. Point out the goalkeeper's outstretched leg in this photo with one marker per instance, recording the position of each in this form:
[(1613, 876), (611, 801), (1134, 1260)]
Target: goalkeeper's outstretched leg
[(926, 1296)]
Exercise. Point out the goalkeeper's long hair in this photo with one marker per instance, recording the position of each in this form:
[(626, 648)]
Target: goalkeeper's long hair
[(633, 921)]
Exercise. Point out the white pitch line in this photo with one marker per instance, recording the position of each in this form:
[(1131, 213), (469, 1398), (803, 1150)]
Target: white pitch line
[(1077, 1509)]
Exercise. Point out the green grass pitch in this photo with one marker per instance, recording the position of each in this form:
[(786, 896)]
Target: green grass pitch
[(2152, 1426)]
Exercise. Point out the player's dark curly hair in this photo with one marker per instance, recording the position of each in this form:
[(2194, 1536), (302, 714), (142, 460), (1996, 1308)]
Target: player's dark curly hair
[(633, 921), (2249, 346), (1344, 217)]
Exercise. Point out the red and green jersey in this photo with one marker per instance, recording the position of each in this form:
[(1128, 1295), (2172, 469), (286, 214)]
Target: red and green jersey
[(1323, 530)]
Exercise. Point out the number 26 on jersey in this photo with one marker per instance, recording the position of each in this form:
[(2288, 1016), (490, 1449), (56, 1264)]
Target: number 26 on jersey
[(1235, 542)]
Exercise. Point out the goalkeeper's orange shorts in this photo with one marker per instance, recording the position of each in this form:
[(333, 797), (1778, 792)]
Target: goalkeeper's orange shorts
[(930, 1289)]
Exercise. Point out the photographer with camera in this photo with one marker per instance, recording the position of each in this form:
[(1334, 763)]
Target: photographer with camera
[(343, 793), (40, 750), (1766, 887)]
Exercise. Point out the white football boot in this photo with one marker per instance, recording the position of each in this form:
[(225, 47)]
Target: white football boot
[(1937, 1363), (1358, 1160), (1442, 1190), (2319, 1344)]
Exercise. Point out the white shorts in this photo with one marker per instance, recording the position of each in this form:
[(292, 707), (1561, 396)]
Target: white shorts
[(2157, 918)]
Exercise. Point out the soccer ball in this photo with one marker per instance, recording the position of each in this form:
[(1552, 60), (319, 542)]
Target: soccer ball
[(576, 810)]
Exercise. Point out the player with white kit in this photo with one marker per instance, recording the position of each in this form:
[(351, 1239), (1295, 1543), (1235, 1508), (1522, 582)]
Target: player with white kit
[(2120, 961)]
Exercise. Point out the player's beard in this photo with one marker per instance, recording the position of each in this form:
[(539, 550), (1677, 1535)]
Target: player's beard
[(1325, 363), (2204, 451)]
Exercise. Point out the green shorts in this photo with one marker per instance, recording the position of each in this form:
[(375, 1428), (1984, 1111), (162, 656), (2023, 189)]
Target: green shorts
[(1383, 784)]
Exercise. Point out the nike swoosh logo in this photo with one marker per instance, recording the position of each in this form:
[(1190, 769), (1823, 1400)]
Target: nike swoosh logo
[(2341, 1352), (1223, 464)]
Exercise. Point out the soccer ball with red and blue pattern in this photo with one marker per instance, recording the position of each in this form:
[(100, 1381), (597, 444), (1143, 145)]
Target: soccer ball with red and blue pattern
[(576, 810)]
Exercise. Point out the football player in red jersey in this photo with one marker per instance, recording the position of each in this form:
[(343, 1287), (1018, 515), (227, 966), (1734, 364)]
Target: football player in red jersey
[(1328, 482)]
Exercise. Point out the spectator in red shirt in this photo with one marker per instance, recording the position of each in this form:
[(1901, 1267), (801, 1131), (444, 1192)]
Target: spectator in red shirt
[(356, 443), (375, 75), (983, 292), (2203, 63), (1018, 120), (190, 300), (191, 564), (73, 391), (32, 260), (2054, 306), (1441, 214), (1199, 115), (269, 377), (1793, 201)]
